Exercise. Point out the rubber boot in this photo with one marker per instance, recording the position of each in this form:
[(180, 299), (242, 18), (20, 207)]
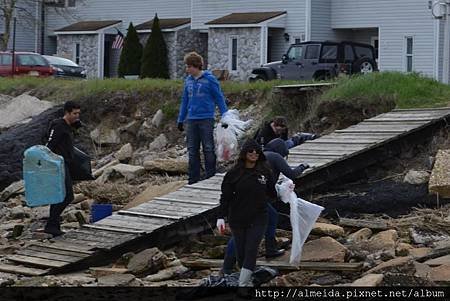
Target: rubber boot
[(245, 278), (272, 248)]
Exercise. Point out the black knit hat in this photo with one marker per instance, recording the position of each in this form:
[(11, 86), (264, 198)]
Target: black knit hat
[(251, 145)]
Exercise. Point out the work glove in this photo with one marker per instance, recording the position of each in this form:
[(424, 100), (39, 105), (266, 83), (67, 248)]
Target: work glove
[(220, 225), (180, 126), (77, 124), (305, 165)]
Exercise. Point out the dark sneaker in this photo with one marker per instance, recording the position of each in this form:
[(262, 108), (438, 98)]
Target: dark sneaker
[(54, 232), (275, 253)]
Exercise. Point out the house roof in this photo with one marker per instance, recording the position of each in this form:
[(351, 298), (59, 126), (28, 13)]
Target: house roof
[(88, 26), (164, 23), (245, 18)]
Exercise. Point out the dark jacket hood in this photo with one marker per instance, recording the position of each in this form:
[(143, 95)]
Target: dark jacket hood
[(251, 144), (277, 146)]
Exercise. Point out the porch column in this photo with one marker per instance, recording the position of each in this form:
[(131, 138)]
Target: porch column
[(100, 54), (264, 40)]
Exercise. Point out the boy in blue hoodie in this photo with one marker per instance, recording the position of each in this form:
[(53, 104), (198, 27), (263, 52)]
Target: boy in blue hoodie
[(201, 95)]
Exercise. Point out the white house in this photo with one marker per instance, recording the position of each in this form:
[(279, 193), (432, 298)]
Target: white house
[(238, 35)]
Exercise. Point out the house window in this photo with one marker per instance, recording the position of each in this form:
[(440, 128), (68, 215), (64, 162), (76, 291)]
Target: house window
[(233, 53), (77, 53), (409, 54)]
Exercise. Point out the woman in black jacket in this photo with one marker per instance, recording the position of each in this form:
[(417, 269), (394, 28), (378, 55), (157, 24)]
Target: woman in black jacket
[(245, 191)]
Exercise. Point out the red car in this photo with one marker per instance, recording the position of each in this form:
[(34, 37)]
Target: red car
[(26, 63)]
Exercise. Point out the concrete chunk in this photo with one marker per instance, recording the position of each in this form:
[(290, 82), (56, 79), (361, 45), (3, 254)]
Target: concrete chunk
[(440, 175)]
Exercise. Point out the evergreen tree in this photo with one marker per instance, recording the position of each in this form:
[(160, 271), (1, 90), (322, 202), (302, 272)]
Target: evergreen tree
[(154, 59), (131, 55)]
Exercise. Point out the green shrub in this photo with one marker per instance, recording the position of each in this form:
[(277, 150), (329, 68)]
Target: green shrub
[(131, 55), (154, 59)]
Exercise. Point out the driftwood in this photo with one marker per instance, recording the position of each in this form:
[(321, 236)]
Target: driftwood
[(362, 223), (198, 264), (434, 254)]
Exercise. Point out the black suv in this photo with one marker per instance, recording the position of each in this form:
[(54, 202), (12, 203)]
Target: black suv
[(319, 61)]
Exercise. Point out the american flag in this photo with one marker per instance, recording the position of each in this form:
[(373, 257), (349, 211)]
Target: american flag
[(118, 41)]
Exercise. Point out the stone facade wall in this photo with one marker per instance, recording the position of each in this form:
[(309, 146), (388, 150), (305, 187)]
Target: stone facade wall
[(189, 40), (248, 50), (178, 44), (88, 51)]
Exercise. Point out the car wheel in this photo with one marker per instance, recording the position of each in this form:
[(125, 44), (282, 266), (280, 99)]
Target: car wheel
[(364, 66)]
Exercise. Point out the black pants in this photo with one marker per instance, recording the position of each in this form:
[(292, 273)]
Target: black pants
[(54, 220), (247, 242)]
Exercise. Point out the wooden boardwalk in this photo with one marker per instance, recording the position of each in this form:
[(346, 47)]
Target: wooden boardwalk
[(187, 210)]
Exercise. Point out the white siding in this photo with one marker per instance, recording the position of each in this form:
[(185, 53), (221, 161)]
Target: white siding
[(395, 19), (136, 11), (207, 10), (25, 28), (321, 21), (204, 11)]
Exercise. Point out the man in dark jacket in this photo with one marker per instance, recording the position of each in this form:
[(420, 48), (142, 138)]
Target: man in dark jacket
[(275, 153), (60, 142), (277, 128)]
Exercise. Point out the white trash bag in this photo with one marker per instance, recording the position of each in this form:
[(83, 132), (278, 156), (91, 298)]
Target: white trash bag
[(303, 217), (227, 138), (226, 143)]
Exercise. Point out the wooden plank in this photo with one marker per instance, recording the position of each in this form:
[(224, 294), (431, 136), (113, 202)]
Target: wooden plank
[(129, 212), (418, 120), (194, 195), (370, 131), (201, 187), (113, 229), (105, 234), (36, 261), (175, 200), (94, 241), (93, 244), (346, 141), (18, 269), (321, 153), (157, 222), (281, 265), (166, 208), (66, 246), (57, 251), (383, 127), (129, 225), (423, 110), (50, 256), (168, 213), (333, 147)]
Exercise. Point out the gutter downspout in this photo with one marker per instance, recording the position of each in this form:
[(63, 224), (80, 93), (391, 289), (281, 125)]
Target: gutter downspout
[(42, 27), (437, 37), (308, 17)]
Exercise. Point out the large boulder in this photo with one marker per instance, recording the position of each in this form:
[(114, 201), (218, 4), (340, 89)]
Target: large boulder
[(103, 135), (12, 190), (21, 109), (324, 249), (327, 230), (149, 261), (116, 280), (17, 139), (125, 153), (159, 143), (158, 118), (417, 177)]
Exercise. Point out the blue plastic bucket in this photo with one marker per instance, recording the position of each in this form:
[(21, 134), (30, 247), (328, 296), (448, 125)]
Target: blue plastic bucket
[(100, 211)]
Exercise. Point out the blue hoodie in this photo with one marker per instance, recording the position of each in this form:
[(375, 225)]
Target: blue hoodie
[(200, 97)]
